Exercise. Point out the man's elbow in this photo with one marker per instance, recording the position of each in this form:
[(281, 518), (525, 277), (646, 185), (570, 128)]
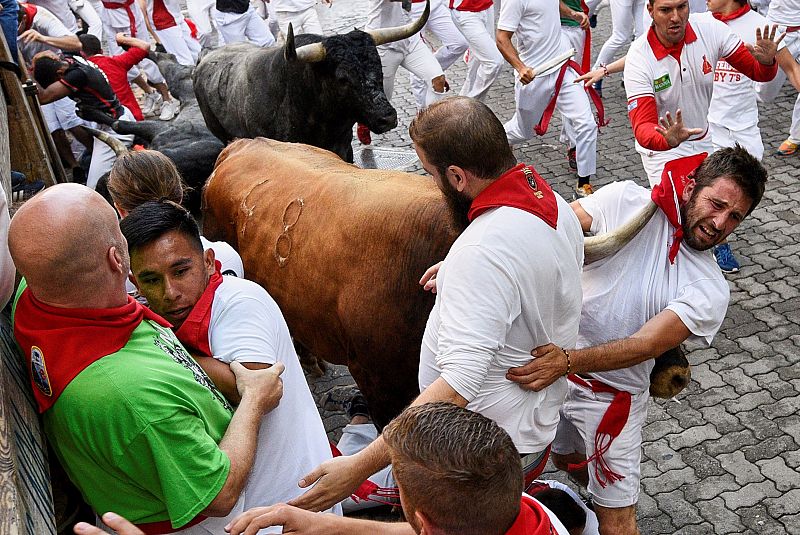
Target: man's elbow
[(222, 504), (72, 45)]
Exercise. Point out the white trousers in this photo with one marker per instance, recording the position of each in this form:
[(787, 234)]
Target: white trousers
[(200, 11), (88, 14), (178, 41), (749, 138), (414, 56), (306, 21), (654, 161), (485, 60), (577, 39), (248, 26), (572, 103), (60, 115), (440, 24), (626, 19), (767, 91), (103, 157), (354, 439)]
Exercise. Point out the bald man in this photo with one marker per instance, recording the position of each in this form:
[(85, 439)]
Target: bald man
[(123, 404)]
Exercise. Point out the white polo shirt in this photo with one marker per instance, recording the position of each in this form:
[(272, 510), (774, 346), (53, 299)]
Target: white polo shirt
[(733, 104), (536, 25), (784, 12), (509, 283), (650, 71), (624, 291)]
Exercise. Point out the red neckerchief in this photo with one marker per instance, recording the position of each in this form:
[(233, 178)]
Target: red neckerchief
[(660, 51), (668, 194), (30, 12), (520, 187), (59, 343), (193, 334), (730, 16), (531, 520)]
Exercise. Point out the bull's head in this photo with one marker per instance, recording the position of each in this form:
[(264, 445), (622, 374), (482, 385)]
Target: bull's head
[(598, 247), (355, 67)]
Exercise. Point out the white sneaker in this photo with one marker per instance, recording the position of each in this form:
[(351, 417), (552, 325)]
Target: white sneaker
[(170, 109), (152, 103)]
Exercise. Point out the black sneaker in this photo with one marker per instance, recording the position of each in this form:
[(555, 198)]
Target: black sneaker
[(593, 21), (357, 406), (25, 190)]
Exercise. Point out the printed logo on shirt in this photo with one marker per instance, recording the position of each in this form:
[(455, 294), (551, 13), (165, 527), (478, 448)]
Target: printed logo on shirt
[(632, 105), (39, 372), (707, 68), (662, 83), (532, 182)]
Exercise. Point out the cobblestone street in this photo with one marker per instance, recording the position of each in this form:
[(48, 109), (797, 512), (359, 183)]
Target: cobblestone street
[(723, 457)]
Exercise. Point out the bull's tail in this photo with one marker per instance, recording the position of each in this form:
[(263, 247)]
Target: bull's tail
[(146, 130)]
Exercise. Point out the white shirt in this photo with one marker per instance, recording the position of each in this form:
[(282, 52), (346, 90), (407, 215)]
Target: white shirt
[(537, 27), (687, 84), (784, 12), (46, 24), (247, 326), (118, 17), (733, 103), (622, 292), (59, 9), (509, 283), (293, 6)]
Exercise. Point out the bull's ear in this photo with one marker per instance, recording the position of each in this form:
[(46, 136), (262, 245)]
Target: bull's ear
[(289, 52)]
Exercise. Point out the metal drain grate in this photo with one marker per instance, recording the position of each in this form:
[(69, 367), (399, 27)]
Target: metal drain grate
[(372, 158)]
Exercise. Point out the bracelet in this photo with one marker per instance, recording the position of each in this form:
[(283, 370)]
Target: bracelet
[(569, 362), (605, 69)]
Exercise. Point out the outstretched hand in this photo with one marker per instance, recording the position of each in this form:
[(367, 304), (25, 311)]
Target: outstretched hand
[(293, 520), (766, 46), (334, 480), (591, 77), (674, 131), (549, 363), (428, 280)]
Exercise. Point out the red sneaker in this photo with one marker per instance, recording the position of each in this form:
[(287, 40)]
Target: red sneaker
[(362, 132)]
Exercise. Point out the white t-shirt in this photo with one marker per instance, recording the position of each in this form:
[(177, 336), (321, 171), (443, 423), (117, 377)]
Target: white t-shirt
[(247, 326), (293, 6), (733, 103), (59, 9), (537, 27), (509, 283), (592, 527), (622, 292), (47, 24), (387, 14), (687, 84), (785, 12)]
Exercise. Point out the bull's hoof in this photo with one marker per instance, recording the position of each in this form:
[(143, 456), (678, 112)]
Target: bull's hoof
[(670, 375)]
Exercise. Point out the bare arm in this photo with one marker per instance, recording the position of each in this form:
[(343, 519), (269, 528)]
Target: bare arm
[(261, 391), (583, 216), (68, 43), (578, 16), (53, 92), (223, 377), (662, 332), (599, 73), (506, 48), (790, 66)]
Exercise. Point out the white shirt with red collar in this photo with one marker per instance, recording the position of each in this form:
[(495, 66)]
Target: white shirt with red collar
[(660, 79), (475, 6)]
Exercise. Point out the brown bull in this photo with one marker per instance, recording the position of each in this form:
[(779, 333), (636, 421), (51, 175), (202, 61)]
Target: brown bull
[(340, 249)]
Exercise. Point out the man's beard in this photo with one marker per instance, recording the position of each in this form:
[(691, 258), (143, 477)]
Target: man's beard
[(690, 222), (458, 203)]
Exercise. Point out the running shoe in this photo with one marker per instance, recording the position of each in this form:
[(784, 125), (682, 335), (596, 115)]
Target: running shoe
[(787, 148), (152, 103), (169, 109), (572, 160), (725, 259), (583, 191)]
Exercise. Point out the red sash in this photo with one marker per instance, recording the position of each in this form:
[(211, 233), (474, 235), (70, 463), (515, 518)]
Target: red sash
[(126, 5), (59, 343), (730, 16), (531, 520), (193, 334), (520, 187), (544, 122), (30, 13), (668, 194), (586, 58), (610, 427)]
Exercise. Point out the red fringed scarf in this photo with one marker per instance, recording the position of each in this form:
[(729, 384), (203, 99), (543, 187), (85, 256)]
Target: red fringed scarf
[(668, 194), (193, 334), (59, 343), (532, 519), (520, 187)]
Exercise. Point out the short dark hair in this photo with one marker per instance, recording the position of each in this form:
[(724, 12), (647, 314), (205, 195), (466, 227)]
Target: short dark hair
[(449, 460), (463, 131), (45, 69), (737, 164), (563, 506), (148, 222), (90, 44)]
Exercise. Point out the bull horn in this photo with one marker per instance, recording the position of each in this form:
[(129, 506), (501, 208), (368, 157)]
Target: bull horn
[(312, 53), (598, 247), (388, 35), (116, 145)]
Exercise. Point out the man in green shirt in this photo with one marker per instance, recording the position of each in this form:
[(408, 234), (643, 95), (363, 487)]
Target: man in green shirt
[(136, 423)]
